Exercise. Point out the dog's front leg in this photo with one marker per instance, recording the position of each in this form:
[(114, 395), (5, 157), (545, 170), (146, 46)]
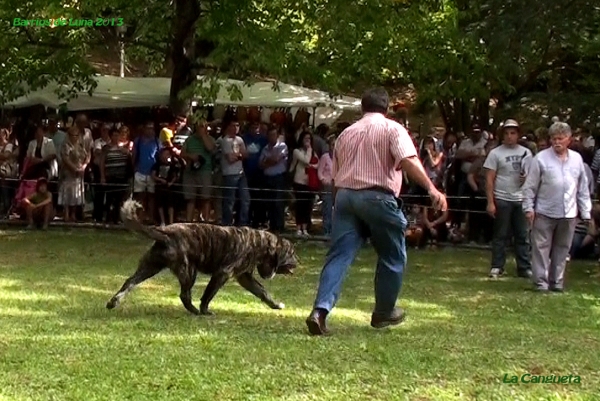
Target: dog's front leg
[(255, 287), (214, 285), (187, 283)]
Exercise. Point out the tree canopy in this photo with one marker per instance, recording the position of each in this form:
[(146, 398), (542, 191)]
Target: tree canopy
[(458, 55)]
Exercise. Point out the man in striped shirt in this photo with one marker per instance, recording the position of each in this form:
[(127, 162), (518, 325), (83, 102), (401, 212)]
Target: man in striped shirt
[(368, 162)]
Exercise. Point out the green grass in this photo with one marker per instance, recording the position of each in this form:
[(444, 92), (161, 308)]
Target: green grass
[(463, 332)]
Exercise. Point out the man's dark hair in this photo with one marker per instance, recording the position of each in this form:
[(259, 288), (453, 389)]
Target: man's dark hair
[(375, 100)]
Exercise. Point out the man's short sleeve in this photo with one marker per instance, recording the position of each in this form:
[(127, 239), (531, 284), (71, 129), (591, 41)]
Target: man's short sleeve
[(491, 161), (401, 144)]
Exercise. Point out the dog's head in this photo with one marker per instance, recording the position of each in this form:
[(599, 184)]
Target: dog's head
[(287, 260), (283, 260)]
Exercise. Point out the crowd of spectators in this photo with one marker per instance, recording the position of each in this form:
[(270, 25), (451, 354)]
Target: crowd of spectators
[(235, 172)]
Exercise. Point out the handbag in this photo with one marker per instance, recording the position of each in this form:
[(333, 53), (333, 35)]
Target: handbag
[(313, 177)]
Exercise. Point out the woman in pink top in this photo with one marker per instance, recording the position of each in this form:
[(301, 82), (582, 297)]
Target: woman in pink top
[(325, 176)]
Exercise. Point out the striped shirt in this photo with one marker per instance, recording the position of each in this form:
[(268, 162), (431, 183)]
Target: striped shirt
[(115, 164), (368, 153), (596, 164)]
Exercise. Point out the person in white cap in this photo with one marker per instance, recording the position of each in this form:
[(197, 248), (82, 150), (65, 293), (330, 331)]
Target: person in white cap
[(555, 192), (504, 166)]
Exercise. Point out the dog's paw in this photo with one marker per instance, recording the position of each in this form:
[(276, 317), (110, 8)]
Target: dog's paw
[(112, 304), (279, 305)]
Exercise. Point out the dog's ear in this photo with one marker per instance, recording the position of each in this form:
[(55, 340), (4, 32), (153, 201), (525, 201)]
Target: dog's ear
[(286, 257)]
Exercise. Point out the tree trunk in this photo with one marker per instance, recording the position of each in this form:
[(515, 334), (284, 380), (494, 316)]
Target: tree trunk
[(458, 114), (481, 113), (187, 13), (448, 115)]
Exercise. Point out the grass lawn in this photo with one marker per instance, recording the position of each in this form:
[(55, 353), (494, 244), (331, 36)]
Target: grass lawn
[(462, 335)]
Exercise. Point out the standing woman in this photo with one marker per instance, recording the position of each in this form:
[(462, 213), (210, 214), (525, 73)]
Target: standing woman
[(75, 159), (116, 169), (9, 169), (304, 159), (433, 161), (324, 171), (41, 157)]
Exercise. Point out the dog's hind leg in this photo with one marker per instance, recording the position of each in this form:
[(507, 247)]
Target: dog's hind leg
[(187, 283), (145, 271), (255, 287), (214, 285)]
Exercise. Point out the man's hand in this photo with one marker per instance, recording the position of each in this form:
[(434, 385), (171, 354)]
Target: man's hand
[(438, 200), (491, 209), (530, 216)]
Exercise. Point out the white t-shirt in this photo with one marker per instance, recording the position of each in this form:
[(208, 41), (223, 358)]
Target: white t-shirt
[(231, 145), (507, 162), (468, 145), (99, 144)]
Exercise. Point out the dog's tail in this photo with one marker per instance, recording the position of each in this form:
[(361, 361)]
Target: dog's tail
[(130, 219)]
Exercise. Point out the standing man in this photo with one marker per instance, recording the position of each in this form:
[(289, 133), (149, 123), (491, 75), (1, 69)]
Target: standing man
[(504, 166), (273, 161), (145, 150), (469, 150), (235, 182), (368, 162), (555, 192), (255, 143), (197, 176)]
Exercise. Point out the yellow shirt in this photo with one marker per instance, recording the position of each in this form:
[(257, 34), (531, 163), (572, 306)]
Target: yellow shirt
[(166, 136)]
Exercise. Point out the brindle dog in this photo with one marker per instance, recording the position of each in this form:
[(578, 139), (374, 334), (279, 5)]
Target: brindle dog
[(222, 252)]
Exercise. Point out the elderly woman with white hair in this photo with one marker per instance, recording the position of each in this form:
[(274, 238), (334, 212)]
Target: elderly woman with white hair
[(555, 192)]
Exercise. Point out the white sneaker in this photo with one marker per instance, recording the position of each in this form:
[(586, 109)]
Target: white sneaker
[(568, 258), (299, 233), (305, 234), (495, 272)]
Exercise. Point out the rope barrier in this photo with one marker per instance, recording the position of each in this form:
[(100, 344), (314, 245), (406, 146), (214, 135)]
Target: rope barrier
[(255, 189), (409, 200)]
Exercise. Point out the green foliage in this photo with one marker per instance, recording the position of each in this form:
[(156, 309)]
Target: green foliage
[(451, 52)]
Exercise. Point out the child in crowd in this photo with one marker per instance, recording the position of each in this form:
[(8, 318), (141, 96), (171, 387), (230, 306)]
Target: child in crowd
[(38, 206), (165, 173), (586, 237), (324, 172), (435, 228), (414, 230)]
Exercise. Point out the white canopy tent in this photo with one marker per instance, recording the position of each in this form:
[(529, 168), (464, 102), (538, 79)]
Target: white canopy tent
[(115, 92)]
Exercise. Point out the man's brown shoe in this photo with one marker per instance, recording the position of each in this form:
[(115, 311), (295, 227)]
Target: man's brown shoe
[(380, 320), (317, 326)]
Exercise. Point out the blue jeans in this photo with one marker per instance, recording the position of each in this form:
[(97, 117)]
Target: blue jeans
[(327, 207), (357, 215), (510, 219), (235, 185), (275, 186)]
